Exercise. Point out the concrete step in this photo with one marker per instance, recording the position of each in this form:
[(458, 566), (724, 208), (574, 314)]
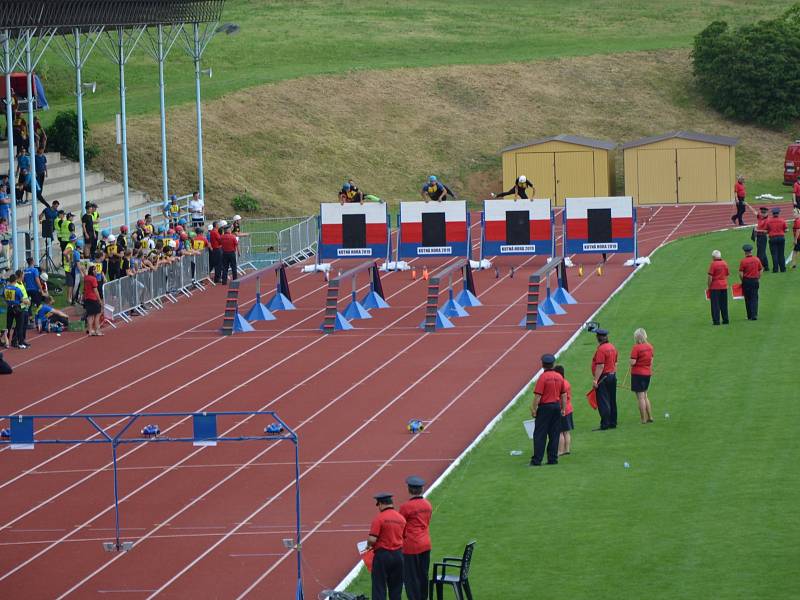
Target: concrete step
[(51, 156), (59, 186), (57, 168), (107, 195)]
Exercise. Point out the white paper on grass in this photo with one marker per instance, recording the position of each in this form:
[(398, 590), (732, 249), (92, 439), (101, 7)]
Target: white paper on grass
[(362, 547), (529, 426)]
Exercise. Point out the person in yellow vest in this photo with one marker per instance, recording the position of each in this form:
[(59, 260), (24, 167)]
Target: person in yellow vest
[(70, 259), (172, 210), (96, 226), (26, 310), (61, 229)]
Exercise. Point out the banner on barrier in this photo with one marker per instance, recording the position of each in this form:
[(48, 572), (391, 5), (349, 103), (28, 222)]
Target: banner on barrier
[(594, 225), (353, 230), (517, 227), (433, 229)]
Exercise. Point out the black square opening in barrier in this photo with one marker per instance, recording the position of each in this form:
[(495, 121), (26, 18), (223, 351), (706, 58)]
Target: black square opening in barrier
[(354, 231), (599, 220), (518, 227), (434, 229)]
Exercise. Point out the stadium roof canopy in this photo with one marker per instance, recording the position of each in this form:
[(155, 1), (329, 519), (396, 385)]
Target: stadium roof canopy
[(85, 14)]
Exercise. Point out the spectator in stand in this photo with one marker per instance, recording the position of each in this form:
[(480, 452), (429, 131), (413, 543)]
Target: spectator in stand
[(5, 245), (113, 265), (33, 285), (718, 288), (40, 160), (236, 229), (122, 239), (26, 179), (567, 423), (197, 210), (39, 135), (5, 202), (776, 231), (91, 302), (15, 331), (215, 240), (641, 362), (229, 244), (47, 218), (69, 260), (148, 224), (126, 264), (26, 308), (172, 210), (23, 160), (61, 229), (46, 316), (87, 224), (20, 133), (96, 226), (100, 270)]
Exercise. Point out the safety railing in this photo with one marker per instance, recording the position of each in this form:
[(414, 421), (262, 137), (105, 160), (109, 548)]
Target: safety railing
[(139, 293), (299, 241)]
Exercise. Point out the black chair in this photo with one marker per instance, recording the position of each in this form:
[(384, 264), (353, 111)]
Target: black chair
[(459, 582)]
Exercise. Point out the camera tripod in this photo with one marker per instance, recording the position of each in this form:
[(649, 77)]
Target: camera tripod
[(46, 260)]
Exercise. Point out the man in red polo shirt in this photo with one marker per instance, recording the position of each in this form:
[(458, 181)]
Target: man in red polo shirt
[(417, 512), (750, 272), (740, 193), (386, 539), (776, 231), (215, 258), (604, 373), (229, 244), (796, 190), (761, 235), (718, 288), (549, 405)]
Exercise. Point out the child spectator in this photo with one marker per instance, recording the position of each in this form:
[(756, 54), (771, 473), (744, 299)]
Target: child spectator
[(567, 424)]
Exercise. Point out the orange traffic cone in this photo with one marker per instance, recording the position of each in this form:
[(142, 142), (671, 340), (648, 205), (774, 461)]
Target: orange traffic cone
[(580, 270), (425, 273), (600, 270), (413, 273)]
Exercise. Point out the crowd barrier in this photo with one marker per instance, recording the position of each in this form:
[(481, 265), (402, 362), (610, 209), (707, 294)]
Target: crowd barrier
[(299, 241), (139, 293)]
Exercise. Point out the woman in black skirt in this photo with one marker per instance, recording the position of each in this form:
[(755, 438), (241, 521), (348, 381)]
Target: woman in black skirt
[(91, 302), (641, 371)]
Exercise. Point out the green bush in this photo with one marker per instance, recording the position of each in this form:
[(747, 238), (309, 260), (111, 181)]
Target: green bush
[(244, 202), (751, 73), (62, 136)]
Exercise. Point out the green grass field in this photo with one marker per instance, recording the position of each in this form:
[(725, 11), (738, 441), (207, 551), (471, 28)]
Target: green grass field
[(707, 508), (286, 40)]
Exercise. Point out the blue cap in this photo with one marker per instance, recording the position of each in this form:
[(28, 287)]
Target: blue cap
[(601, 331), (172, 197), (776, 211), (161, 229), (383, 497), (346, 186), (548, 359), (182, 221), (73, 237), (747, 247), (432, 179), (105, 232), (415, 481), (79, 243)]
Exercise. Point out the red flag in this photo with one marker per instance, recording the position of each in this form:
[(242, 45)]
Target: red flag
[(737, 292), (368, 557), (591, 396), (708, 294)]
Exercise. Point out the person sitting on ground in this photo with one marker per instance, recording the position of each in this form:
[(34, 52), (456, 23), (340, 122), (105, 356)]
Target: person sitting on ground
[(92, 302), (46, 316), (519, 190), (350, 193), (5, 368), (567, 423), (435, 190)]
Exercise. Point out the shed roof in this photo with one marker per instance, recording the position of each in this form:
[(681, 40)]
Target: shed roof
[(686, 135), (569, 139)]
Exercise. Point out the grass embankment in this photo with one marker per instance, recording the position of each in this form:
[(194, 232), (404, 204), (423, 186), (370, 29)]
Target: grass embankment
[(707, 508), (288, 40)]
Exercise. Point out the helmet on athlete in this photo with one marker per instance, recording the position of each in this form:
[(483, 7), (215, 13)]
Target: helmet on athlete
[(522, 179), (432, 179)]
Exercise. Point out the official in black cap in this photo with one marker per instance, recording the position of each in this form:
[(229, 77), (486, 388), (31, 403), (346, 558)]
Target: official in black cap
[(776, 230), (760, 236), (749, 273), (386, 539), (604, 371), (417, 512), (549, 405)]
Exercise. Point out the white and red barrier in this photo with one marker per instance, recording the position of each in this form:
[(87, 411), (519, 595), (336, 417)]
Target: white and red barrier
[(353, 230), (433, 229), (517, 227), (593, 225)]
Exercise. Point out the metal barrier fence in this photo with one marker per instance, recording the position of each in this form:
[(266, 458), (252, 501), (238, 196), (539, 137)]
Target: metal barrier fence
[(266, 242), (299, 241), (136, 294)]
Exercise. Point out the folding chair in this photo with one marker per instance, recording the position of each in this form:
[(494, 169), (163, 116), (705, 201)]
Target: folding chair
[(459, 582)]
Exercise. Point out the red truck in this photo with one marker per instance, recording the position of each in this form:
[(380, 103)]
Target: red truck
[(791, 164)]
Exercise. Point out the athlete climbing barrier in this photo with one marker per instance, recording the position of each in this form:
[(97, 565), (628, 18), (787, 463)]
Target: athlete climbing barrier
[(439, 318), (335, 320), (537, 314), (233, 322), (117, 430)]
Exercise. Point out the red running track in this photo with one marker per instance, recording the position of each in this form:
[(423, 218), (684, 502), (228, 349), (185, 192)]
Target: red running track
[(209, 521)]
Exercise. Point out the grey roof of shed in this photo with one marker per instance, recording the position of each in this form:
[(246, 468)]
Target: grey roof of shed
[(686, 135), (569, 139)]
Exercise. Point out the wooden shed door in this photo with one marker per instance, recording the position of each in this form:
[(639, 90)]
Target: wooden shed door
[(538, 167), (697, 175), (574, 175), (657, 175)]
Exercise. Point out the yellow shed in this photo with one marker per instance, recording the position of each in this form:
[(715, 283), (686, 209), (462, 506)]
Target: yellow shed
[(680, 167), (562, 166)]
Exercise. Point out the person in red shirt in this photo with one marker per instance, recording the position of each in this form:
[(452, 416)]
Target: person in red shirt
[(776, 231), (796, 190), (229, 244), (718, 288), (386, 539), (549, 405), (215, 241), (91, 302), (567, 425), (795, 237), (749, 273), (761, 235), (641, 371), (604, 372), (740, 193), (417, 512)]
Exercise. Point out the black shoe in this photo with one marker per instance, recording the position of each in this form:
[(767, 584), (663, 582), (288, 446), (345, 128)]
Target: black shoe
[(555, 462), (533, 464), (715, 323), (725, 322), (599, 428)]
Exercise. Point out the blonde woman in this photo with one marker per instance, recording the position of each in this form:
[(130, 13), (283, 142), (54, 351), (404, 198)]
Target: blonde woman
[(641, 370)]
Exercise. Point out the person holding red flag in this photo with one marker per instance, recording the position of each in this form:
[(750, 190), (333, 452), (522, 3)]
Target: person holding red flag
[(386, 539), (604, 372), (549, 405)]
